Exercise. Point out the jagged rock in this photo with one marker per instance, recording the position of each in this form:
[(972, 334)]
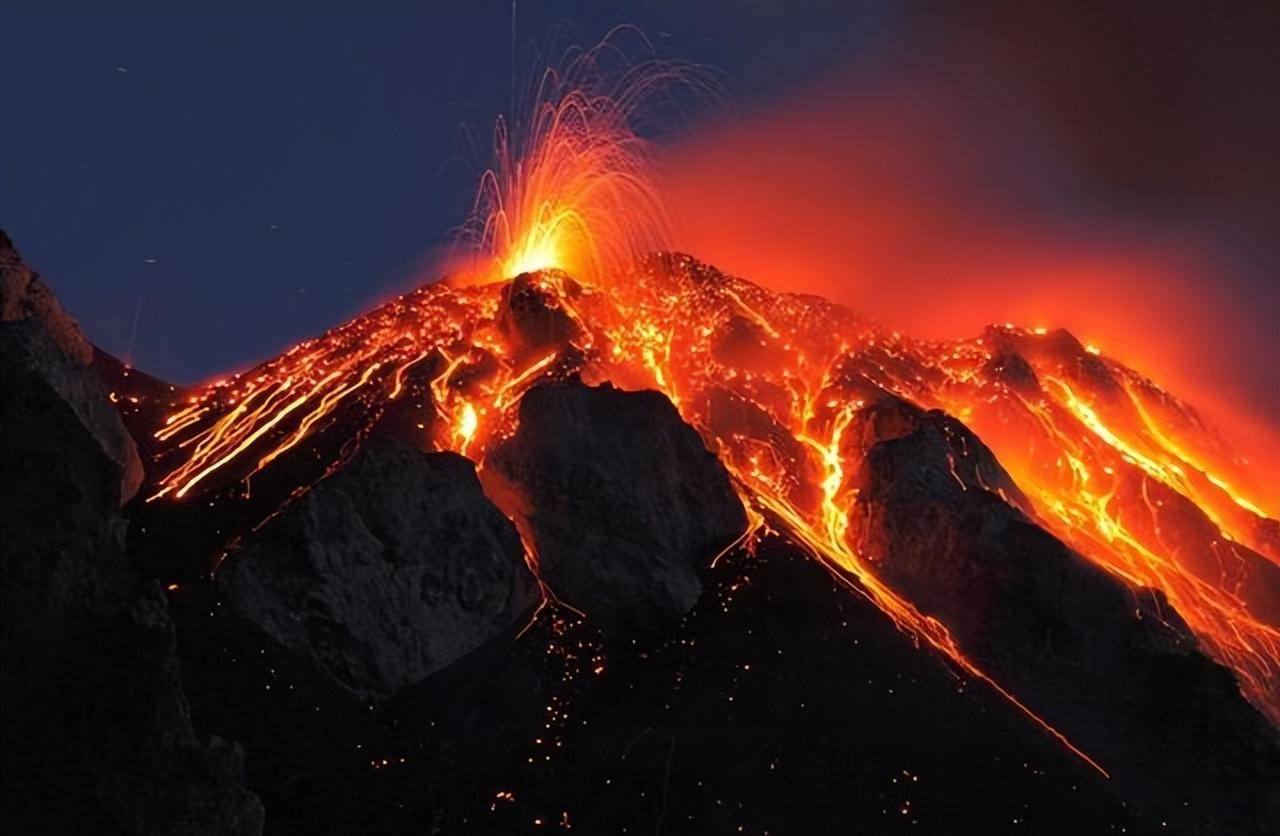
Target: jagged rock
[(97, 737), (744, 344), (23, 295), (385, 572), (745, 428), (1014, 371), (1113, 668), (1197, 545), (1057, 349), (622, 500), (531, 316), (24, 298)]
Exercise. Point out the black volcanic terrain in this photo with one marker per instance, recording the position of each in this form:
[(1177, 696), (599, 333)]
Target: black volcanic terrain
[(357, 643)]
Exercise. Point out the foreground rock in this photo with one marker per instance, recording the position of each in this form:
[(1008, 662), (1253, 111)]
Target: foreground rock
[(1114, 669), (97, 737), (383, 573), (623, 502), (24, 298)]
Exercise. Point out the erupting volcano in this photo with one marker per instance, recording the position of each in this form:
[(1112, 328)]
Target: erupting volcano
[(1015, 503)]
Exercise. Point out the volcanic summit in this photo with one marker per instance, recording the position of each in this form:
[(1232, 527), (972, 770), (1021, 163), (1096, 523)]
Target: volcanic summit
[(661, 551)]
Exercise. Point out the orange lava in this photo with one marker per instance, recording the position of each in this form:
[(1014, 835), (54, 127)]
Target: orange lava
[(771, 380)]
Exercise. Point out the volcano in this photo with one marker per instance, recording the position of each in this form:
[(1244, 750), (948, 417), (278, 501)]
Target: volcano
[(667, 552)]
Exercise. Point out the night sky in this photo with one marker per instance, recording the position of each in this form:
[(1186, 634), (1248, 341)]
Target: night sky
[(237, 177), (251, 175)]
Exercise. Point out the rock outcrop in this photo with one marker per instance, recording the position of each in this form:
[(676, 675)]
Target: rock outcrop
[(1113, 668), (97, 736), (622, 501), (24, 298), (532, 317), (383, 573)]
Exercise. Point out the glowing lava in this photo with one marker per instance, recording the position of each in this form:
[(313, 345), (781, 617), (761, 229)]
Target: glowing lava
[(570, 187), (772, 381)]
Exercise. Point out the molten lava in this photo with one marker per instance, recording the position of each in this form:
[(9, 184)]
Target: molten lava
[(1113, 464), (772, 381)]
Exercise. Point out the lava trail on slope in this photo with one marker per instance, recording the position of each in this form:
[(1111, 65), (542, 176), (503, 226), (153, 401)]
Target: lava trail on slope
[(1115, 466)]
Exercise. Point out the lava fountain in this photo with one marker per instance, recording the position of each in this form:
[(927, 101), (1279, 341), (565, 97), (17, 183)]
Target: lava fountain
[(571, 184)]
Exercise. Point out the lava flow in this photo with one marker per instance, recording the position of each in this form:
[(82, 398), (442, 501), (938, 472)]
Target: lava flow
[(1115, 466)]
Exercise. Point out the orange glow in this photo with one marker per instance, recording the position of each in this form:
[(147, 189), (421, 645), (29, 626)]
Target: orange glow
[(572, 188), (803, 366), (773, 381), (891, 201)]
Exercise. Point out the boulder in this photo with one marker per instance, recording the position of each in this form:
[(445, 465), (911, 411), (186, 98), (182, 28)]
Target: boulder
[(623, 503), (383, 573), (1112, 667)]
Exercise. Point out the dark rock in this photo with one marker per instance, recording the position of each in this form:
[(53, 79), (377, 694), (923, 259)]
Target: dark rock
[(24, 298), (1014, 371), (385, 572), (744, 344), (786, 705), (531, 315), (96, 732), (623, 502), (1057, 350), (23, 295), (745, 429), (1194, 542), (1111, 667)]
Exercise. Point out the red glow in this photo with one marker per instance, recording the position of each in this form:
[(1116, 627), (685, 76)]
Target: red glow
[(866, 205), (897, 206)]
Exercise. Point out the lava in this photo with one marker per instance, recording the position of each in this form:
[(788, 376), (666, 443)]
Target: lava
[(1071, 434), (570, 186), (772, 381)]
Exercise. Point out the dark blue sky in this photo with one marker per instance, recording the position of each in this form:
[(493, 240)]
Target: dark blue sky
[(284, 165)]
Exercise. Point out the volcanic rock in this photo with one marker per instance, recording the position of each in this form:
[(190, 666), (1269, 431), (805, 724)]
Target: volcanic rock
[(1014, 371), (25, 298), (531, 316), (745, 428), (622, 500), (97, 736), (1113, 668), (744, 344), (23, 295), (1058, 349), (385, 572), (1197, 544)]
